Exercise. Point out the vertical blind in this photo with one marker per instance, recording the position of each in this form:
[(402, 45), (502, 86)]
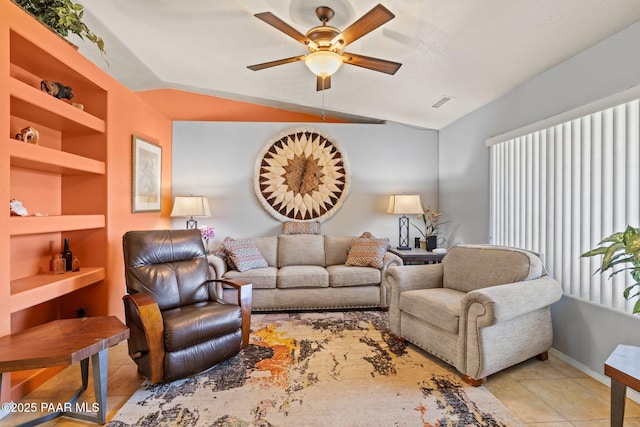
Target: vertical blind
[(558, 191)]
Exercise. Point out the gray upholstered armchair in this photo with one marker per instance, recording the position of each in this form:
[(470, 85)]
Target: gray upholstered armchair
[(483, 309), (179, 324)]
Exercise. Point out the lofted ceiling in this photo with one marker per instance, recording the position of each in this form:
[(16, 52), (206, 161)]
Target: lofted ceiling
[(472, 51)]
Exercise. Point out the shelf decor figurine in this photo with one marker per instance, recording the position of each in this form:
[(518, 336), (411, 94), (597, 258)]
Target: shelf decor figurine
[(29, 134), (17, 209), (56, 89)]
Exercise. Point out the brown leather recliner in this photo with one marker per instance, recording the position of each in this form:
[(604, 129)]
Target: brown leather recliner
[(179, 326)]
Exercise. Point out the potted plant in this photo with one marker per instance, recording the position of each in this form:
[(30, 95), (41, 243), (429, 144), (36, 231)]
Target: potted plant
[(430, 223), (619, 249), (63, 17)]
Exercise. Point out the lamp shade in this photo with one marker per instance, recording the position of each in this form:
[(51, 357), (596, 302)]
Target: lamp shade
[(190, 206), (405, 204), (323, 63)]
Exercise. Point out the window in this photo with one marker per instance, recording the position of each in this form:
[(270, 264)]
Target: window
[(560, 189)]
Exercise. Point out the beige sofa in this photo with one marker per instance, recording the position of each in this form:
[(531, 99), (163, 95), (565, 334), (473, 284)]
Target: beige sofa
[(483, 309), (307, 272)]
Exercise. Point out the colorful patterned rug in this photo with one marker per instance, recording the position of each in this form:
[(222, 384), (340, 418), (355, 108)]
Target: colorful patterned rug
[(319, 369)]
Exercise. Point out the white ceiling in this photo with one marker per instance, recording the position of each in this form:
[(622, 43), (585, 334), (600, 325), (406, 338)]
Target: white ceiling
[(471, 50)]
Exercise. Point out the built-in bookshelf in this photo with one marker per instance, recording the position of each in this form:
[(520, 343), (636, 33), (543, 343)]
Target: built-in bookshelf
[(61, 181)]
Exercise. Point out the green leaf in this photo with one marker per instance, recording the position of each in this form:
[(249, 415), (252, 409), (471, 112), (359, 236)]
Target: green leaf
[(608, 256), (614, 238), (636, 307), (627, 291), (593, 252)]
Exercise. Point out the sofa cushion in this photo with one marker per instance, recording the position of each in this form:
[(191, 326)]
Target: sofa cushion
[(467, 268), (260, 278), (342, 276), (301, 227), (300, 249), (438, 306), (244, 253), (268, 247), (367, 252), (303, 276), (336, 249)]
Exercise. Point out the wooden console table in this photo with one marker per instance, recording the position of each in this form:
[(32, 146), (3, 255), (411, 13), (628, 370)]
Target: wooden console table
[(623, 366), (418, 256), (65, 342)]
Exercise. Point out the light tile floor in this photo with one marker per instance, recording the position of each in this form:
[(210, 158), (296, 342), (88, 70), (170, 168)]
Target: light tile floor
[(541, 394)]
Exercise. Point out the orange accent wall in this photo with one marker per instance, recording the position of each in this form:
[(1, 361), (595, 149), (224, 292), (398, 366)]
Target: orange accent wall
[(181, 105), (124, 114), (148, 114)]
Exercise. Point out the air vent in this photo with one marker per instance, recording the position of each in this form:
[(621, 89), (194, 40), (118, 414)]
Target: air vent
[(442, 101)]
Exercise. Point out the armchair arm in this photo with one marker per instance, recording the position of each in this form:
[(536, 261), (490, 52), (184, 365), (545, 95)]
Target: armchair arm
[(406, 278), (147, 334), (217, 266), (390, 259), (409, 277), (244, 301), (505, 302)]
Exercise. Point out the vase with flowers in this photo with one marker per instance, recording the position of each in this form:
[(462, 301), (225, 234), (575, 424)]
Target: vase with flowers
[(430, 222), (207, 233)]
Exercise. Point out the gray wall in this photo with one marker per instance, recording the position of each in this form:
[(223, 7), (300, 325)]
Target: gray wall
[(585, 332), (217, 160)]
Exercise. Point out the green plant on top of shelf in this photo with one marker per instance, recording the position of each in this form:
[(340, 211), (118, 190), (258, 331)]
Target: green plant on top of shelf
[(63, 17)]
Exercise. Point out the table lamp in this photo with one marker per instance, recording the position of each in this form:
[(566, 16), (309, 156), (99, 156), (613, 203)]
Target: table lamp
[(404, 204), (191, 206)]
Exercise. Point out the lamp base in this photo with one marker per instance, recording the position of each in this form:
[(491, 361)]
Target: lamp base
[(403, 248)]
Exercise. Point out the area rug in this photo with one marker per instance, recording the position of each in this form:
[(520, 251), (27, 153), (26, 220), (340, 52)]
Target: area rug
[(319, 369)]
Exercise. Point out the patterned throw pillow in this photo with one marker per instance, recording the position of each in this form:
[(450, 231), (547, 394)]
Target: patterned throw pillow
[(367, 252), (297, 227), (244, 254)]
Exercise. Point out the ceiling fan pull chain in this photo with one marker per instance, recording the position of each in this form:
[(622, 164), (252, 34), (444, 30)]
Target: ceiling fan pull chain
[(322, 116)]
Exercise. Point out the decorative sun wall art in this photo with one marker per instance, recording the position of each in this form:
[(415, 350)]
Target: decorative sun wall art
[(301, 175)]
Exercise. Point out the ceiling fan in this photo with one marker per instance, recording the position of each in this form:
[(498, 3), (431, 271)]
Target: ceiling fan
[(326, 44)]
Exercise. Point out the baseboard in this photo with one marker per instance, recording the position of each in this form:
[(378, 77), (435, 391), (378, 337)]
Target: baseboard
[(631, 394)]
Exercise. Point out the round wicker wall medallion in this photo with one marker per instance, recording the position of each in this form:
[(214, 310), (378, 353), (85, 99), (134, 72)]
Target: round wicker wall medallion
[(301, 175)]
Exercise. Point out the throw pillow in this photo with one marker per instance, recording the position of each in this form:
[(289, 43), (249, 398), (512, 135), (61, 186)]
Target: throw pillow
[(221, 252), (244, 254), (367, 252), (297, 227)]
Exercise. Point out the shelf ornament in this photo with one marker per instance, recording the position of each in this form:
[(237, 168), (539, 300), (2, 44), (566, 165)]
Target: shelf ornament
[(29, 134), (56, 89)]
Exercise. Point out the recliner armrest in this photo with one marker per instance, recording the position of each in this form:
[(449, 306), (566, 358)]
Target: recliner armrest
[(505, 302), (244, 289), (143, 315)]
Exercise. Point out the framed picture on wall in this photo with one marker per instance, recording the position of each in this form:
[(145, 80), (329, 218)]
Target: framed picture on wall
[(146, 175)]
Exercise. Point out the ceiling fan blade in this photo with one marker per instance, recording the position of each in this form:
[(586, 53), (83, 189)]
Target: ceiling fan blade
[(264, 65), (279, 24), (323, 83), (367, 23), (375, 64)]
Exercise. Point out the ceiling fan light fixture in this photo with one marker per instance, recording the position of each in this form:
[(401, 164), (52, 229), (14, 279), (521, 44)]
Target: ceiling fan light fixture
[(323, 63)]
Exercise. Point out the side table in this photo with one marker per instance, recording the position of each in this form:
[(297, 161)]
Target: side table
[(623, 366), (65, 342), (418, 256)]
